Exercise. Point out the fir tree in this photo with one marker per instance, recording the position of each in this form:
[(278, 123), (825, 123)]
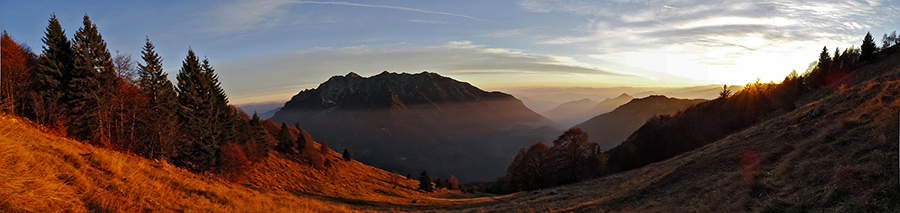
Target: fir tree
[(93, 79), (197, 115), (867, 49), (425, 182), (824, 60), (261, 138), (438, 183), (347, 156), (222, 114), (836, 61), (285, 143), (53, 73), (160, 92)]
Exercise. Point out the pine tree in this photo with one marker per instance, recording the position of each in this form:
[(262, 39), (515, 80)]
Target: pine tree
[(824, 60), (223, 115), (93, 79), (867, 49), (836, 61), (409, 176), (438, 183), (52, 75), (161, 120), (197, 115), (425, 182), (284, 137), (347, 156)]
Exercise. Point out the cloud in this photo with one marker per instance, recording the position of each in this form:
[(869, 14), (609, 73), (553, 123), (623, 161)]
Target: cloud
[(306, 69), (716, 38), (244, 15), (391, 7)]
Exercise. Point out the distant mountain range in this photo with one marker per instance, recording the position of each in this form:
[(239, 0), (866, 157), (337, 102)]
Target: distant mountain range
[(610, 129), (412, 122), (574, 112)]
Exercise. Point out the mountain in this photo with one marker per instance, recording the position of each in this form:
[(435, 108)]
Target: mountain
[(261, 109), (574, 112), (610, 129), (537, 105), (568, 111), (413, 122), (608, 105), (268, 114)]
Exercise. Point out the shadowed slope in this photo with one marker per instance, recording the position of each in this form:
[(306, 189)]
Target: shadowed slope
[(412, 122)]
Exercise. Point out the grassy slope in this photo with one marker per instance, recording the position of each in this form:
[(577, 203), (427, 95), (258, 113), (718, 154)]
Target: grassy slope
[(44, 173), (845, 159)]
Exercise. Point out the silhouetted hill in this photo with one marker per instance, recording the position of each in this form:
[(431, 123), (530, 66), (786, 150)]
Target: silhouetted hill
[(610, 129), (568, 111), (268, 114), (574, 112), (412, 122)]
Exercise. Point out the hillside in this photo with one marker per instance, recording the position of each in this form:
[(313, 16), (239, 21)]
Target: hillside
[(836, 152), (610, 129), (44, 173), (413, 122)]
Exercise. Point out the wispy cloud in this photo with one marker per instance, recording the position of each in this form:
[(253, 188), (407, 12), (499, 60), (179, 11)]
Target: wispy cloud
[(257, 14), (391, 7)]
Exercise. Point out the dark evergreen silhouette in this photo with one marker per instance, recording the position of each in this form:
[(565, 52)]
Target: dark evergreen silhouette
[(284, 135), (162, 102), (438, 183), (824, 60), (93, 78), (425, 182), (867, 49), (202, 109), (725, 92), (347, 156), (53, 73)]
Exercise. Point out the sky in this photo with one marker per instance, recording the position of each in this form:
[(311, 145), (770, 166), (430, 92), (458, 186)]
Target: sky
[(269, 50)]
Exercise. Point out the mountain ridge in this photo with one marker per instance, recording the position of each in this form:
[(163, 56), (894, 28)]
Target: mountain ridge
[(394, 119), (610, 129)]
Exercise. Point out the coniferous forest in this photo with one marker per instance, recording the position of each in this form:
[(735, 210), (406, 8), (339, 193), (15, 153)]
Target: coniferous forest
[(76, 88)]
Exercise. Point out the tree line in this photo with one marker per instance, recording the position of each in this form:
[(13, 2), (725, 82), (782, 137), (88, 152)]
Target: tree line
[(572, 158), (76, 88)]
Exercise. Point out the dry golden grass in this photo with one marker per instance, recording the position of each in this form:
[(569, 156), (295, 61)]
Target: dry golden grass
[(43, 173)]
